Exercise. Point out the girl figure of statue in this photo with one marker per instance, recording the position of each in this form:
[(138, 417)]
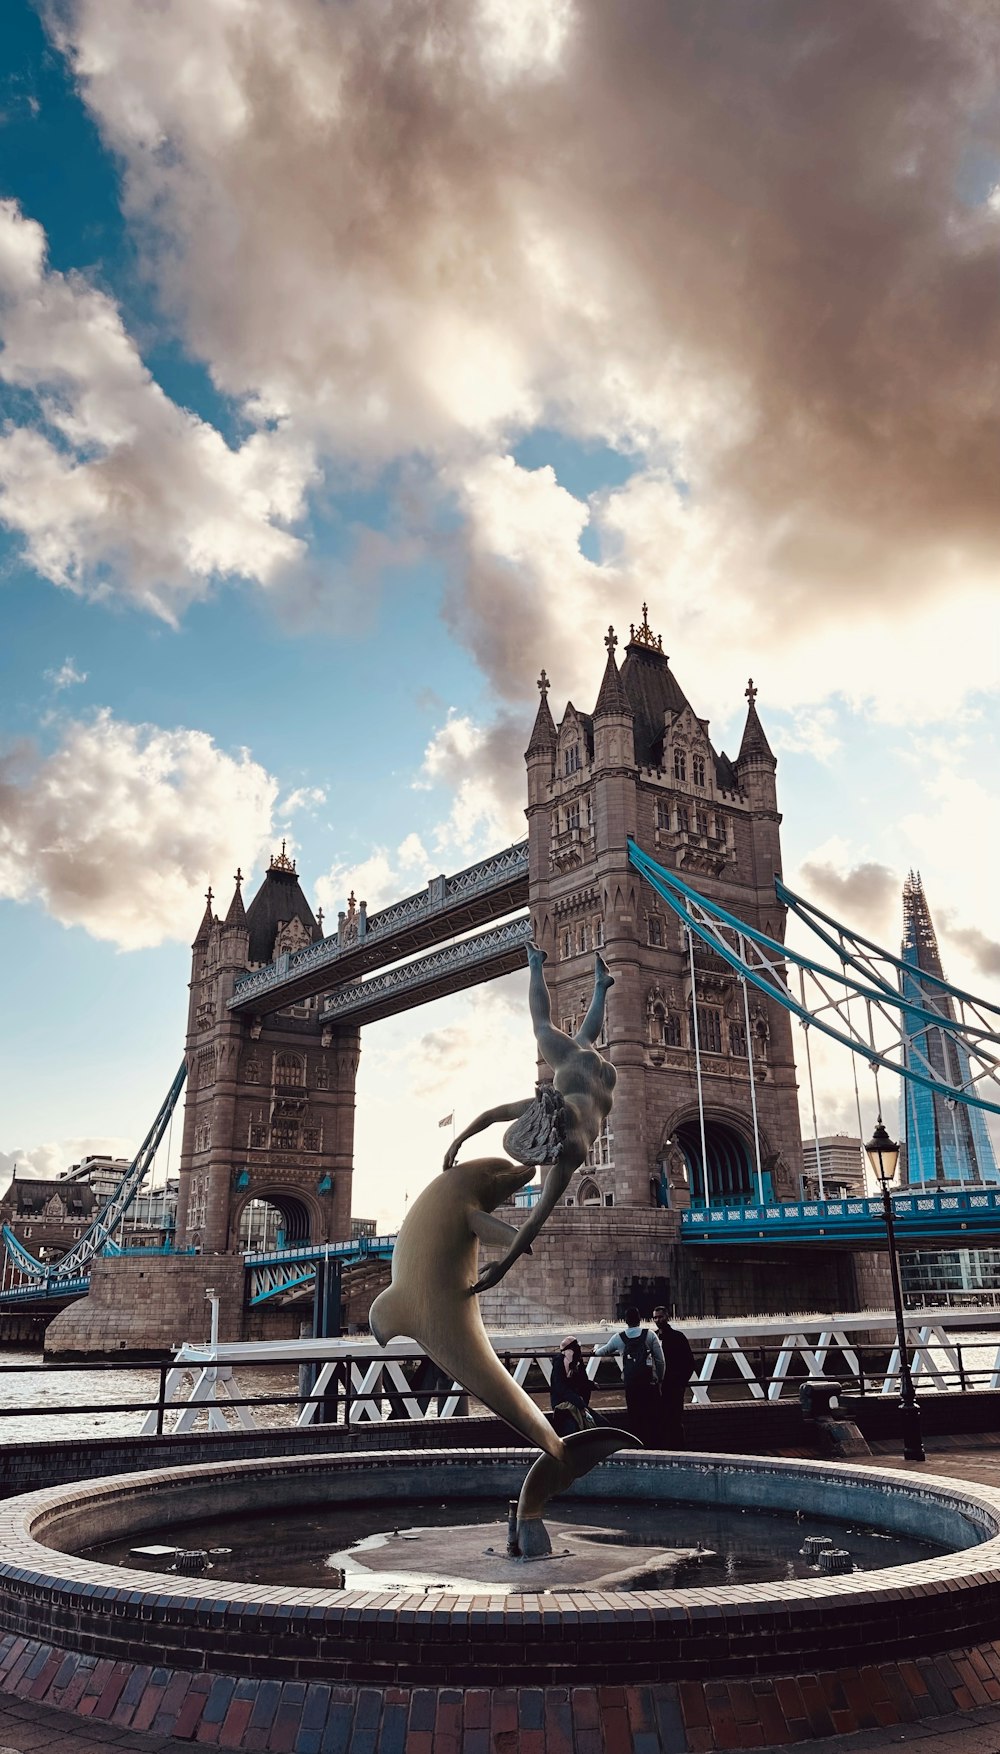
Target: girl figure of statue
[(557, 1126)]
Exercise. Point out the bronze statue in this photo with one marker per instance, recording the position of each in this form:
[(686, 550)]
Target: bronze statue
[(430, 1300), (558, 1125)]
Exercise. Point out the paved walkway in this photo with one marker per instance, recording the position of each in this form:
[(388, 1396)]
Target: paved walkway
[(897, 1704)]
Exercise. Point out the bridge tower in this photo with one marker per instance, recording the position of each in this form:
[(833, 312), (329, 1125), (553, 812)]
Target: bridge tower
[(641, 765), (269, 1113)]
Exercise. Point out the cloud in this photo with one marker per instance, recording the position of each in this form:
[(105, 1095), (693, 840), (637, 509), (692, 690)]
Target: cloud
[(119, 827), (983, 952), (755, 250), (381, 878), (48, 1160), (465, 1053), (302, 798), (67, 676), (483, 767), (112, 487), (862, 896)]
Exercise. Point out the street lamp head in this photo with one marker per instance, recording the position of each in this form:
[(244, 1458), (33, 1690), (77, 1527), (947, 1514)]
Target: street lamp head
[(882, 1153)]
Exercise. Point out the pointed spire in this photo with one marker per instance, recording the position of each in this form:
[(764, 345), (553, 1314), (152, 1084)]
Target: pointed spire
[(755, 746), (543, 731), (208, 921), (237, 915), (612, 697)]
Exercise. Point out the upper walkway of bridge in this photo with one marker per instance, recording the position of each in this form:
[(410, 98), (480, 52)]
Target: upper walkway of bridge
[(447, 907)]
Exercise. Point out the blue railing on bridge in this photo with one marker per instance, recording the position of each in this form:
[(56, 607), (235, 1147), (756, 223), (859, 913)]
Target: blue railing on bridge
[(357, 1248), (442, 895), (964, 1217)]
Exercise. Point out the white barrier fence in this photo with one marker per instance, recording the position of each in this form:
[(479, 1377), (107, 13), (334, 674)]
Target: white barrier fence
[(948, 1350)]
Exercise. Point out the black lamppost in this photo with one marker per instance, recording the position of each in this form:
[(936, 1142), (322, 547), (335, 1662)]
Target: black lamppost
[(883, 1155)]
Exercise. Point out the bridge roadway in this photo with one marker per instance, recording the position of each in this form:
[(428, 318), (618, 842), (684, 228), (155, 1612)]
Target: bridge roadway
[(482, 893), (967, 1218)]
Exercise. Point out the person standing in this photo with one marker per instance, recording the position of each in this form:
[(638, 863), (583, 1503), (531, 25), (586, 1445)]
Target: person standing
[(570, 1389), (678, 1369), (642, 1368)]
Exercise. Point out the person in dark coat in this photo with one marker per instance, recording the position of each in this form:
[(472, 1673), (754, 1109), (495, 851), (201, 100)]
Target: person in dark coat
[(678, 1369), (570, 1388)]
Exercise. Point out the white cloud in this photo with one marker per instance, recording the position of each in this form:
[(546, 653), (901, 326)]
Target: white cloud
[(115, 488), (302, 798), (679, 244), (48, 1160), (377, 880), (120, 827), (483, 769), (67, 676), (479, 1051)]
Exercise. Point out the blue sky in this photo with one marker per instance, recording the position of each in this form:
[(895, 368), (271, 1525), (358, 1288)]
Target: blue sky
[(340, 392)]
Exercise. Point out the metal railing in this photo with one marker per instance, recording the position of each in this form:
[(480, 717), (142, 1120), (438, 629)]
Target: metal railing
[(440, 897), (374, 1388)]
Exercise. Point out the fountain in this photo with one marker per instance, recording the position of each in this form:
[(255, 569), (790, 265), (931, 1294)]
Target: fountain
[(579, 1610)]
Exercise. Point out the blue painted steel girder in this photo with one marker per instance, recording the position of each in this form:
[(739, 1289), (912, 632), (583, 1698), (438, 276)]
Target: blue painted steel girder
[(967, 1219)]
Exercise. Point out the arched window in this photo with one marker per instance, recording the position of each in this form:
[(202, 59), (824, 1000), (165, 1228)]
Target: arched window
[(701, 821), (683, 818), (573, 815), (654, 929), (698, 769), (738, 1040), (590, 1194), (571, 763), (672, 1031), (680, 765), (710, 1029), (663, 815), (581, 939), (289, 1069)]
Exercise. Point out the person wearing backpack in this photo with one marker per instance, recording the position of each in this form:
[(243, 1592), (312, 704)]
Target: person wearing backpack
[(642, 1368)]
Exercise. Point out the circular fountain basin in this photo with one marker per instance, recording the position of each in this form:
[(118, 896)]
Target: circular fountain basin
[(470, 1636)]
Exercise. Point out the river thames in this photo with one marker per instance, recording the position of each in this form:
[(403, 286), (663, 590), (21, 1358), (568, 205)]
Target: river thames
[(32, 1394)]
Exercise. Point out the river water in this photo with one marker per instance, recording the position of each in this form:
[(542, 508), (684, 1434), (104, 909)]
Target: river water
[(31, 1399)]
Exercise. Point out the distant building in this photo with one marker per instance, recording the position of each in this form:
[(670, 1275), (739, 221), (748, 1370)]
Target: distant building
[(46, 1215), (363, 1227), (839, 1171), (946, 1143)]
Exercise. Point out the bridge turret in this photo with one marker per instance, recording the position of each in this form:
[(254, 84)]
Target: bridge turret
[(755, 763), (540, 760)]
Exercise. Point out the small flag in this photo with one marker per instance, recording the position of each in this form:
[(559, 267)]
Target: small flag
[(447, 1120)]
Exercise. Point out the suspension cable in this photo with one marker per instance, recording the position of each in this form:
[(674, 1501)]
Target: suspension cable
[(812, 1090)]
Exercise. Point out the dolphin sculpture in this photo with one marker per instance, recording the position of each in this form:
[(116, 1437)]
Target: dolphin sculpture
[(431, 1300)]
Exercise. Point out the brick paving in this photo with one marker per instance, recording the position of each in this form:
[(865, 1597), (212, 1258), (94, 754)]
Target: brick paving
[(59, 1703)]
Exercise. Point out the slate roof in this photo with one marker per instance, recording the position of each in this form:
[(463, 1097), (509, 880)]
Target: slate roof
[(279, 897), (755, 746), (543, 731), (652, 690)]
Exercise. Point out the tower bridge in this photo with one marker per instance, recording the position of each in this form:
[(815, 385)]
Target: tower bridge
[(486, 891), (647, 842)]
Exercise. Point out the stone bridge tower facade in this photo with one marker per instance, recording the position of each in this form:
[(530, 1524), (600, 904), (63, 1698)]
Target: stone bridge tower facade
[(641, 765), (269, 1114)]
